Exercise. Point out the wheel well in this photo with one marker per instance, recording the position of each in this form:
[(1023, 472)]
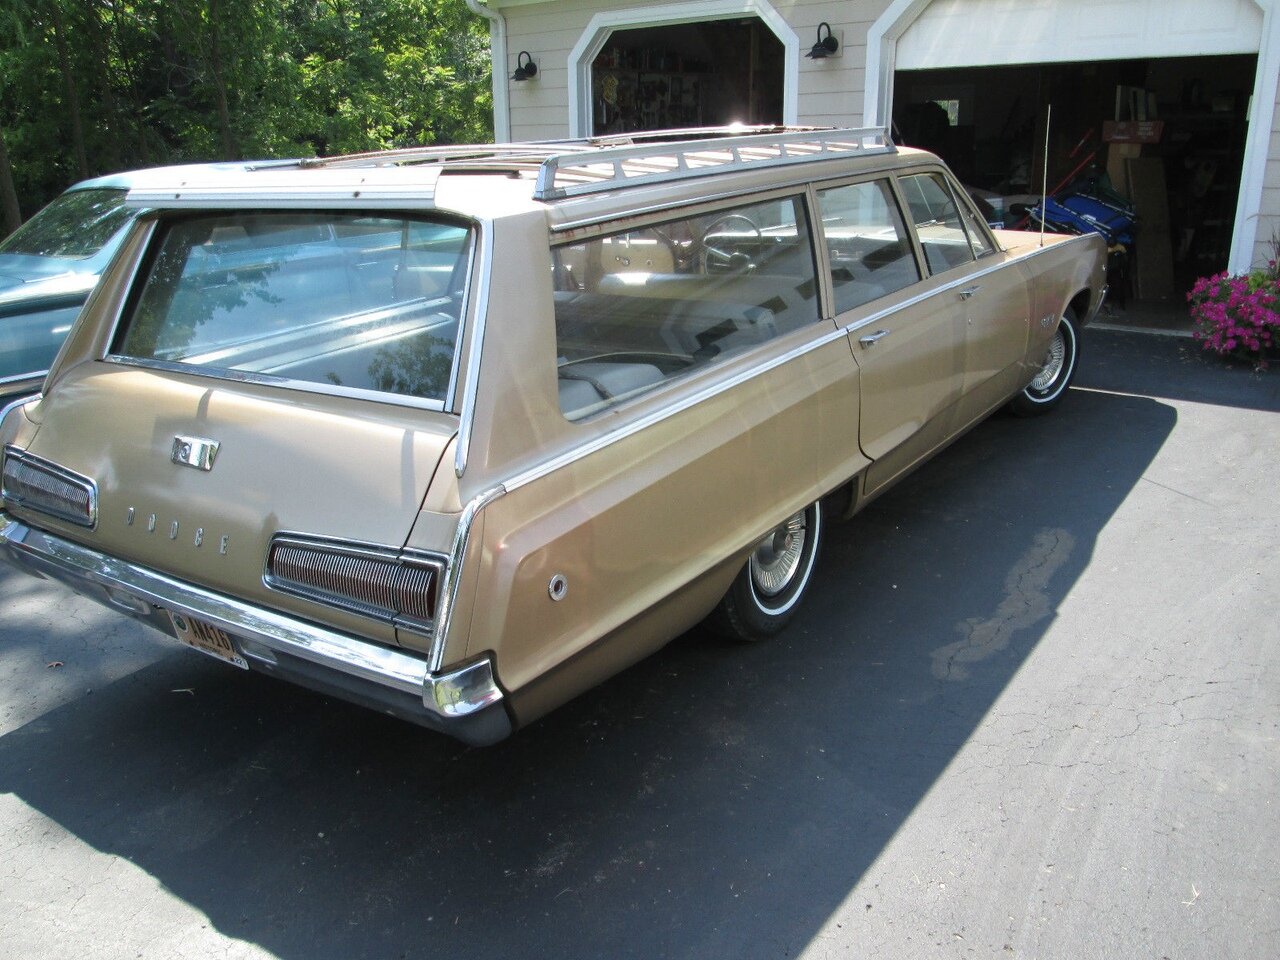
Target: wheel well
[(1080, 304)]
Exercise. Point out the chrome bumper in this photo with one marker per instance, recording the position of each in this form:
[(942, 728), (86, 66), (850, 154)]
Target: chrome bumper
[(465, 703)]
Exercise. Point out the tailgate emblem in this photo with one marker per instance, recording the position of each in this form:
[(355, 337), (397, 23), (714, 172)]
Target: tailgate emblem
[(196, 452)]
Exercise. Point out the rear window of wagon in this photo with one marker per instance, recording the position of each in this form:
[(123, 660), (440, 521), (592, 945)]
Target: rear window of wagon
[(339, 299)]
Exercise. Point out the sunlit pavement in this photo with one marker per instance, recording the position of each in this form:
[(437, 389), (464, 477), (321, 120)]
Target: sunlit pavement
[(1031, 709)]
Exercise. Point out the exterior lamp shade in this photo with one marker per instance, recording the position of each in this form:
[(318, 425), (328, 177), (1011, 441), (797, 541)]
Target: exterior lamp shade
[(526, 69), (826, 46)]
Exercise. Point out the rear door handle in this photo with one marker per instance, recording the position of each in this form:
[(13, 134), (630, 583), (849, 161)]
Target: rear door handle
[(968, 292), (871, 338)]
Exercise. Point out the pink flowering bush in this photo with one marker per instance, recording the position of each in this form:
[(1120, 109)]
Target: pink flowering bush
[(1238, 315)]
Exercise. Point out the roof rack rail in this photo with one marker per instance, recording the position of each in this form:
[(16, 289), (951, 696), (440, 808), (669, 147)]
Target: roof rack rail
[(577, 171)]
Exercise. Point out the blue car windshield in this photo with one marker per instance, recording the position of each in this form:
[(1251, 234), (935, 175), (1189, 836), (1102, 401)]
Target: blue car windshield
[(76, 225)]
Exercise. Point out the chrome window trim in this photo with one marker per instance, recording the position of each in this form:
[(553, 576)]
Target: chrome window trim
[(448, 597), (19, 377), (949, 285), (624, 431), (352, 548), (149, 221), (12, 405), (284, 383), (69, 477), (793, 184), (467, 411), (145, 227), (468, 297)]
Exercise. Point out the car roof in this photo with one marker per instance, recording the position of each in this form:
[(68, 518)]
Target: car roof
[(575, 182), (128, 179)]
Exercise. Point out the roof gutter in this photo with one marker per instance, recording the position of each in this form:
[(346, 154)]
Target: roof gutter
[(498, 57)]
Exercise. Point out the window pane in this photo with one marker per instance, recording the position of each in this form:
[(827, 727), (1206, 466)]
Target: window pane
[(937, 222), (977, 238), (370, 303), (75, 225), (866, 242), (634, 309)]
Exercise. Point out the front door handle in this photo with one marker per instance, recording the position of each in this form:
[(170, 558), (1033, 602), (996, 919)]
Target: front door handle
[(968, 292), (871, 338)]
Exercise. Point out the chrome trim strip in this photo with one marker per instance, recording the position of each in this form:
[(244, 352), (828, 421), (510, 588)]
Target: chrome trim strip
[(450, 696), (781, 186), (19, 377), (468, 296), (468, 411), (453, 573), (15, 404), (284, 383), (678, 406), (966, 280)]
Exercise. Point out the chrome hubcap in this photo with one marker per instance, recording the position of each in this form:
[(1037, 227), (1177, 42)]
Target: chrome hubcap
[(776, 559), (1054, 361)]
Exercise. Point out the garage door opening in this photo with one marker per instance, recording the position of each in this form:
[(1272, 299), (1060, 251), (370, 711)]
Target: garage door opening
[(691, 75), (1181, 170)]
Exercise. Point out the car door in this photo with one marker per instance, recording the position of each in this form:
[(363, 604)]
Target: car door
[(906, 338)]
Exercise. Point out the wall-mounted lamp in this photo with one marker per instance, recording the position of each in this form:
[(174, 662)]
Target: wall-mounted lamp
[(826, 46), (526, 69)]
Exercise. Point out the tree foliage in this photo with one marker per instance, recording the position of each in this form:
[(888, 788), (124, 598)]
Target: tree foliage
[(92, 86)]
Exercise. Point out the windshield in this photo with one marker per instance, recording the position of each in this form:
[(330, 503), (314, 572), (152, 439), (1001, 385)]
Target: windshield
[(75, 225), (348, 301)]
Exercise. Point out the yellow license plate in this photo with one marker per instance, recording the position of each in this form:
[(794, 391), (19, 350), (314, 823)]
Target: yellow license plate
[(206, 638)]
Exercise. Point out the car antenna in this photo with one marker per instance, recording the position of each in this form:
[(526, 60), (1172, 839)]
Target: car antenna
[(1044, 182)]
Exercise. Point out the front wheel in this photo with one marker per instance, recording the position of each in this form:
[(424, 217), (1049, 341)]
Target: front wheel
[(768, 589), (1046, 389)]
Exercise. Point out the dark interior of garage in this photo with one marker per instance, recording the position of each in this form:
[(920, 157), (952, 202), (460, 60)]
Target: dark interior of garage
[(690, 75), (1176, 153)]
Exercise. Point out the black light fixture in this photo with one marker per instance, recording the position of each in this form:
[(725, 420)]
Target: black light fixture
[(525, 70), (826, 46)]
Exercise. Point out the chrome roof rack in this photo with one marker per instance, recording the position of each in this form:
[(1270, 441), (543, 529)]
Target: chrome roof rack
[(632, 160)]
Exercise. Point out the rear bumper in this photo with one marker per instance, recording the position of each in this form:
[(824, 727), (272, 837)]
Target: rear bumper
[(465, 702)]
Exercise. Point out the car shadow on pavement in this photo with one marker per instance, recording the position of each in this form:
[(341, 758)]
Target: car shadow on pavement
[(714, 800)]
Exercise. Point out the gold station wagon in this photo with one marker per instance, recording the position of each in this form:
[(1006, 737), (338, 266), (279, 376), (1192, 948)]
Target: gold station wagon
[(458, 432)]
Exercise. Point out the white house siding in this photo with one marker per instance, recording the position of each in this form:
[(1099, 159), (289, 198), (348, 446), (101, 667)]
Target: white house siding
[(830, 92)]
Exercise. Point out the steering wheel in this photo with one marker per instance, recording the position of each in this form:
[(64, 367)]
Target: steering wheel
[(728, 257)]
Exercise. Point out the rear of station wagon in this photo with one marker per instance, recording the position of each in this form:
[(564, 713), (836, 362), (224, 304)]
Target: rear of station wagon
[(457, 433)]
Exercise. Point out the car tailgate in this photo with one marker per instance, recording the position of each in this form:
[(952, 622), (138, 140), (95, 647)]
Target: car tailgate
[(285, 460)]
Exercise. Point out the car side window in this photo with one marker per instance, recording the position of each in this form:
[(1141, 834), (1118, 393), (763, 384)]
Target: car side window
[(867, 243), (636, 308), (937, 222)]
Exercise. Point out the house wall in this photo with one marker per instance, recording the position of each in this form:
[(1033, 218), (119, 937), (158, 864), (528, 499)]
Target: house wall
[(1269, 208), (830, 92)]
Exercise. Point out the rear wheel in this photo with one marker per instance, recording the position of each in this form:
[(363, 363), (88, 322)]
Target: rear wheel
[(768, 589), (1049, 385)]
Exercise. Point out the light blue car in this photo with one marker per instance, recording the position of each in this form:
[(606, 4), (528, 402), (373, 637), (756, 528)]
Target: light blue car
[(49, 265)]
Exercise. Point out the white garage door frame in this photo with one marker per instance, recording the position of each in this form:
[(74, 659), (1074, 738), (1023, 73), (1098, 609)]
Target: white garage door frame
[(889, 28), (603, 24)]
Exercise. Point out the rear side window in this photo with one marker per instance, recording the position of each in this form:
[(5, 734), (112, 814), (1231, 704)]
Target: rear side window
[(359, 302), (635, 309), (937, 222), (867, 243)]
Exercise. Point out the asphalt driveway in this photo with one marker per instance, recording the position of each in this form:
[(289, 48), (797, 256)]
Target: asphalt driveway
[(1032, 710)]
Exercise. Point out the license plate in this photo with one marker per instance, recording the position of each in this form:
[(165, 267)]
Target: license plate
[(206, 638)]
